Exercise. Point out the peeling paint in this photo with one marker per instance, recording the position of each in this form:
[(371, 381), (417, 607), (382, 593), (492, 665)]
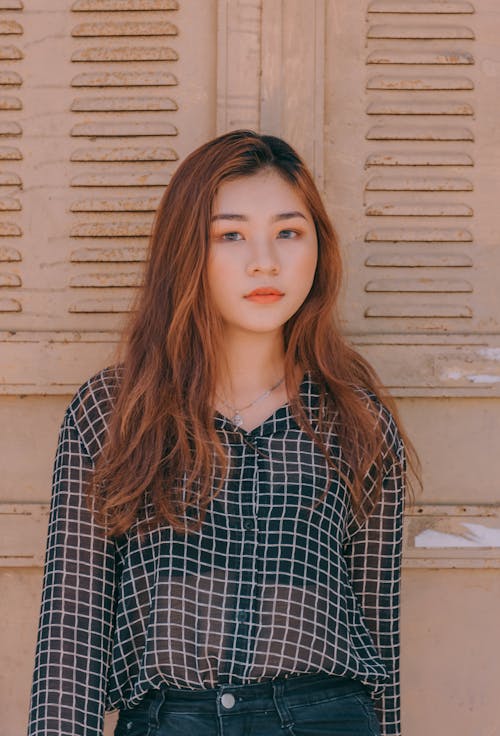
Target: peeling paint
[(458, 375), (454, 375), (402, 56), (476, 536), (490, 353), (123, 29), (483, 378)]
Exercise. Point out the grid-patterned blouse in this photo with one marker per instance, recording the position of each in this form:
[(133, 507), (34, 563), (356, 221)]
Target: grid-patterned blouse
[(266, 589)]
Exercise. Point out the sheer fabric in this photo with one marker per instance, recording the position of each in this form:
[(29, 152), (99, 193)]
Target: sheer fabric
[(268, 587)]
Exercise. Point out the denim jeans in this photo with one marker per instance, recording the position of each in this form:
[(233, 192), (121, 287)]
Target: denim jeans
[(303, 705)]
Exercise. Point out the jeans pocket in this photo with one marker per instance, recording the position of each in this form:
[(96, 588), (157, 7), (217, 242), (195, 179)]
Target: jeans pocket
[(367, 704), (348, 715), (132, 723)]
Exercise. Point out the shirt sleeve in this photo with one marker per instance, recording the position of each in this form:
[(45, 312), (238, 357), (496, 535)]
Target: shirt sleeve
[(77, 611), (373, 554)]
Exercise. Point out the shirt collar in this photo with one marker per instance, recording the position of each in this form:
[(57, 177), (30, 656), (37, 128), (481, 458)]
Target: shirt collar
[(281, 418)]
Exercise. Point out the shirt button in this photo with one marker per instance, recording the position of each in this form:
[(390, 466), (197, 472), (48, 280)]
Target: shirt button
[(242, 615), (248, 524), (228, 700)]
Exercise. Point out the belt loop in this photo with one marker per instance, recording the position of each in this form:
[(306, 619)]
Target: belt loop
[(279, 698), (154, 711)]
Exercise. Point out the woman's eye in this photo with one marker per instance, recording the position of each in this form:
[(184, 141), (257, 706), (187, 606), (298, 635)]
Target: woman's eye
[(287, 234), (231, 236)]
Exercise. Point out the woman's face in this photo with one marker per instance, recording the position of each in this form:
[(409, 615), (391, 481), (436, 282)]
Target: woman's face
[(262, 237)]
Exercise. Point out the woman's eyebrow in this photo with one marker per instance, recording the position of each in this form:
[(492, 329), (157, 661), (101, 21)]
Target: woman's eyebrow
[(228, 217), (289, 215), (244, 218)]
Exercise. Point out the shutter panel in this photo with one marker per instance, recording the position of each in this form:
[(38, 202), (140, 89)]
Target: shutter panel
[(412, 148), (99, 100), (417, 105), (124, 121), (415, 112), (11, 81)]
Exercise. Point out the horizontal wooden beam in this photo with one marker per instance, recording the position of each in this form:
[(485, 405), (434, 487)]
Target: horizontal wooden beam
[(436, 536), (411, 365)]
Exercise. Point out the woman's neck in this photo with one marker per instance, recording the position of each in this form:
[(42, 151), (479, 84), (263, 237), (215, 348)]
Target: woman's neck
[(254, 363)]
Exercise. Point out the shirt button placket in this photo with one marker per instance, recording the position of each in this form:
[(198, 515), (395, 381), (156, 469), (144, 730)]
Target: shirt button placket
[(247, 562)]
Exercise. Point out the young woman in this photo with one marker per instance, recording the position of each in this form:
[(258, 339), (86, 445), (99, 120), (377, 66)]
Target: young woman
[(224, 544)]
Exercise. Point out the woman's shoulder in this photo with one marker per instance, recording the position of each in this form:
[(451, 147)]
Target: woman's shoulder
[(92, 405), (385, 418)]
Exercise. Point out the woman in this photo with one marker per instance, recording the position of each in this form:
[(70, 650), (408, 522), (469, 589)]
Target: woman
[(225, 535)]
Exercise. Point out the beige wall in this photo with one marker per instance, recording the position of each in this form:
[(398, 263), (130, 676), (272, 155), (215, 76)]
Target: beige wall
[(396, 111)]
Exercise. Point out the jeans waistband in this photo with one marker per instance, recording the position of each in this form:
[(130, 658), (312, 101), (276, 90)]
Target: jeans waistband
[(290, 685)]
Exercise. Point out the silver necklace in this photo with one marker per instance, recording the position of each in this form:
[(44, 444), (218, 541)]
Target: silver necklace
[(237, 419)]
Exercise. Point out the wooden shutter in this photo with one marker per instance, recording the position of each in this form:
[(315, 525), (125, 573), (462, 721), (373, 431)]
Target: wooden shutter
[(123, 142), (99, 100), (11, 155), (404, 148), (420, 136)]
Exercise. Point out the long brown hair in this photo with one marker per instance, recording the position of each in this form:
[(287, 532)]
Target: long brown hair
[(162, 446)]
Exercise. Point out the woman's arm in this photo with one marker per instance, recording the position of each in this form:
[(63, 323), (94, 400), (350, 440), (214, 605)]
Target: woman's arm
[(374, 555), (77, 612)]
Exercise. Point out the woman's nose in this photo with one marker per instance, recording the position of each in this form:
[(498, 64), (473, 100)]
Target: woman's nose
[(263, 258)]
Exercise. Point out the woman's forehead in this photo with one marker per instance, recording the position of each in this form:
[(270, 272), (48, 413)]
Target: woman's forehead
[(266, 190)]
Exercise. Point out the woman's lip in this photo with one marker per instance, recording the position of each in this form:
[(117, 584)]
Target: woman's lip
[(264, 298), (263, 291)]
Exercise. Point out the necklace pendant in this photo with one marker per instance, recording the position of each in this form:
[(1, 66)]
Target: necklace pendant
[(237, 419)]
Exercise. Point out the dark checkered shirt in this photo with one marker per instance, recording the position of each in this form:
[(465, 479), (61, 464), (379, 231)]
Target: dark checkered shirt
[(267, 589)]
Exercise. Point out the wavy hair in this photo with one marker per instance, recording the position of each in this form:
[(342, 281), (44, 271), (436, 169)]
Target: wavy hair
[(162, 447)]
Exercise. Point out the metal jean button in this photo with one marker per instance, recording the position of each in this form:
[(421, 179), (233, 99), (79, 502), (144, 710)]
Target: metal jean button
[(228, 700)]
